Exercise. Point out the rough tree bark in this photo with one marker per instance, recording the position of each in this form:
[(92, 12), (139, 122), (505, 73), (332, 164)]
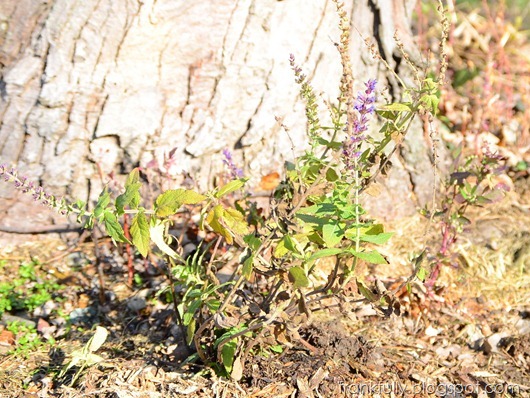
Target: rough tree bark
[(102, 86)]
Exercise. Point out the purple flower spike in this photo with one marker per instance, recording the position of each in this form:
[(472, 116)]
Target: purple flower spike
[(364, 105), (235, 172)]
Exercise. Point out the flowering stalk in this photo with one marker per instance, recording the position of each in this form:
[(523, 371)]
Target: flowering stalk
[(311, 107), (235, 172), (38, 193), (356, 126)]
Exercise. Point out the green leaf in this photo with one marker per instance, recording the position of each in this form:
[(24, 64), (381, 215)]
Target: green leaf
[(190, 331), (113, 227), (378, 239), (228, 353), (331, 175), (329, 144), (421, 274), (226, 221), (372, 257), (214, 220), (190, 311), (157, 236), (280, 250), (286, 245), (133, 177), (298, 277), (252, 241), (170, 201), (103, 202), (332, 234), (462, 76), (131, 197), (248, 267), (235, 221), (397, 107), (140, 233), (325, 253), (430, 102), (366, 292), (230, 187)]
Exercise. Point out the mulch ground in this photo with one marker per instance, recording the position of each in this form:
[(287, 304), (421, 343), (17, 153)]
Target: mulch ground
[(469, 337)]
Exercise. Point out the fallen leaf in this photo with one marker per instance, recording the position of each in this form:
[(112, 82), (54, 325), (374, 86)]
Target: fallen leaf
[(270, 181)]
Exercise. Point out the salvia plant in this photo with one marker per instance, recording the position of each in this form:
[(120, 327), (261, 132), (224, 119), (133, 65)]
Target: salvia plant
[(317, 213)]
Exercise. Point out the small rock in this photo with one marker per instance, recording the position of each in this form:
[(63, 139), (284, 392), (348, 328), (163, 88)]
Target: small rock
[(7, 318), (523, 326), (475, 338), (45, 309), (432, 332), (491, 344), (452, 350), (77, 259), (136, 303), (82, 315)]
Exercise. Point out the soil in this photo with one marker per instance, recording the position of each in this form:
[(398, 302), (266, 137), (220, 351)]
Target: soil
[(468, 337)]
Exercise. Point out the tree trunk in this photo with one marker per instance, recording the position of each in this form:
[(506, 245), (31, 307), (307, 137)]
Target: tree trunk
[(96, 87)]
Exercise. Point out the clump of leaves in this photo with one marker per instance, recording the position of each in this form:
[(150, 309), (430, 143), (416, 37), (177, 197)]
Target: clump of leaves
[(471, 183), (27, 291), (26, 338)]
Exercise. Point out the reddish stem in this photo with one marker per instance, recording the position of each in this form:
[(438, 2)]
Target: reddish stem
[(128, 250)]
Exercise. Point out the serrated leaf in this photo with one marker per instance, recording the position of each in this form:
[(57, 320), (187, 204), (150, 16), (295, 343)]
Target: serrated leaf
[(113, 227), (131, 197), (372, 257), (252, 241), (170, 201), (430, 102), (378, 239), (298, 277), (133, 177), (280, 249), (103, 202), (214, 220), (230, 187), (235, 221), (325, 253), (140, 233), (156, 232), (332, 234)]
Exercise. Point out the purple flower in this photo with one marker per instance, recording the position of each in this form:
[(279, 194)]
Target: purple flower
[(235, 172), (364, 105)]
